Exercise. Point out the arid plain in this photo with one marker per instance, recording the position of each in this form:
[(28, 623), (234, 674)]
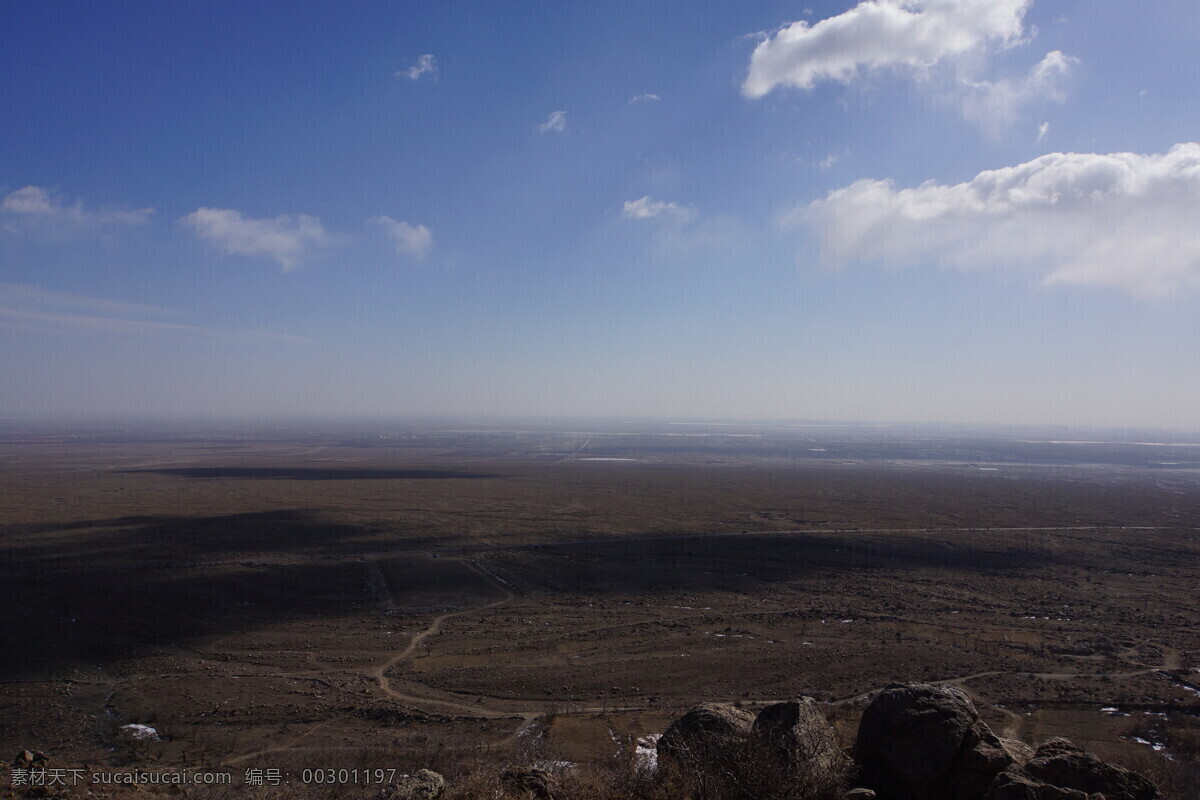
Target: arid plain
[(334, 595)]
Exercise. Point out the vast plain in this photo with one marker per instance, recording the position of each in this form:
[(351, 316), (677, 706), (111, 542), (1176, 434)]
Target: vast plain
[(410, 593)]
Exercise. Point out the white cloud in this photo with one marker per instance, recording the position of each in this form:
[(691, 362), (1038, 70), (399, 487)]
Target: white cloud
[(426, 65), (1043, 129), (34, 208), (645, 208), (413, 240), (285, 239), (828, 161), (1120, 220), (675, 230), (878, 34), (994, 104), (555, 123), (914, 37), (649, 97)]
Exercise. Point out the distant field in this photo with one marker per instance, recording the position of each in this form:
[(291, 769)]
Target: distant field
[(260, 598)]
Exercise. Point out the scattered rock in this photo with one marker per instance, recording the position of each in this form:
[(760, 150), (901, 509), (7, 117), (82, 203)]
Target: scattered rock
[(859, 793), (529, 782), (424, 784), (1061, 771), (923, 742), (31, 759)]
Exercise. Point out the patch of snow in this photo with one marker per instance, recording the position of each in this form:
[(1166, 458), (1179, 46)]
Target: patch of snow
[(141, 732), (645, 757)]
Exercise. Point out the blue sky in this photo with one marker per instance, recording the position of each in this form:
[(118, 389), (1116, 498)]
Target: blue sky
[(929, 210)]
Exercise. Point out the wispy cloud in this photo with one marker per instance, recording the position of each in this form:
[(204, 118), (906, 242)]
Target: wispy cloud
[(39, 210), (828, 161), (409, 239), (1043, 129), (646, 208), (555, 123), (1119, 220), (285, 239), (913, 37), (649, 97), (995, 104), (32, 308), (676, 230), (426, 65)]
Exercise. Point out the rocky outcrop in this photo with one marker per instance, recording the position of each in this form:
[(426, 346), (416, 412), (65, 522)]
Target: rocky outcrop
[(1061, 771), (923, 742), (788, 751)]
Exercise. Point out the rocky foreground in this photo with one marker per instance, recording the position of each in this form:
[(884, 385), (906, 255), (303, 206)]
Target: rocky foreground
[(915, 741)]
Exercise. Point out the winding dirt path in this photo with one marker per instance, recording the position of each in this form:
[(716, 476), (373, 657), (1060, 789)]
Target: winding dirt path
[(379, 673)]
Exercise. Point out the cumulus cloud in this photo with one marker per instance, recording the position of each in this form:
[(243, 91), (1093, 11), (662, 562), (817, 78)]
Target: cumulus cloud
[(555, 123), (426, 65), (646, 208), (649, 97), (34, 208), (912, 36), (285, 239), (878, 34), (409, 239), (1119, 220)]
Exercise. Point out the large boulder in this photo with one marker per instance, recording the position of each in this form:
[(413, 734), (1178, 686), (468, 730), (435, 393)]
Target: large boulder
[(922, 742), (1061, 771), (724, 753), (799, 731), (708, 739)]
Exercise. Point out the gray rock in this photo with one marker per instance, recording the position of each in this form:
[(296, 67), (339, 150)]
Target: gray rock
[(789, 751), (923, 742), (706, 738), (1061, 771), (31, 759), (1017, 750), (798, 731), (859, 793)]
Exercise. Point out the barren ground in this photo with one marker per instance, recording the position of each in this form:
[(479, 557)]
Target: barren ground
[(303, 600)]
